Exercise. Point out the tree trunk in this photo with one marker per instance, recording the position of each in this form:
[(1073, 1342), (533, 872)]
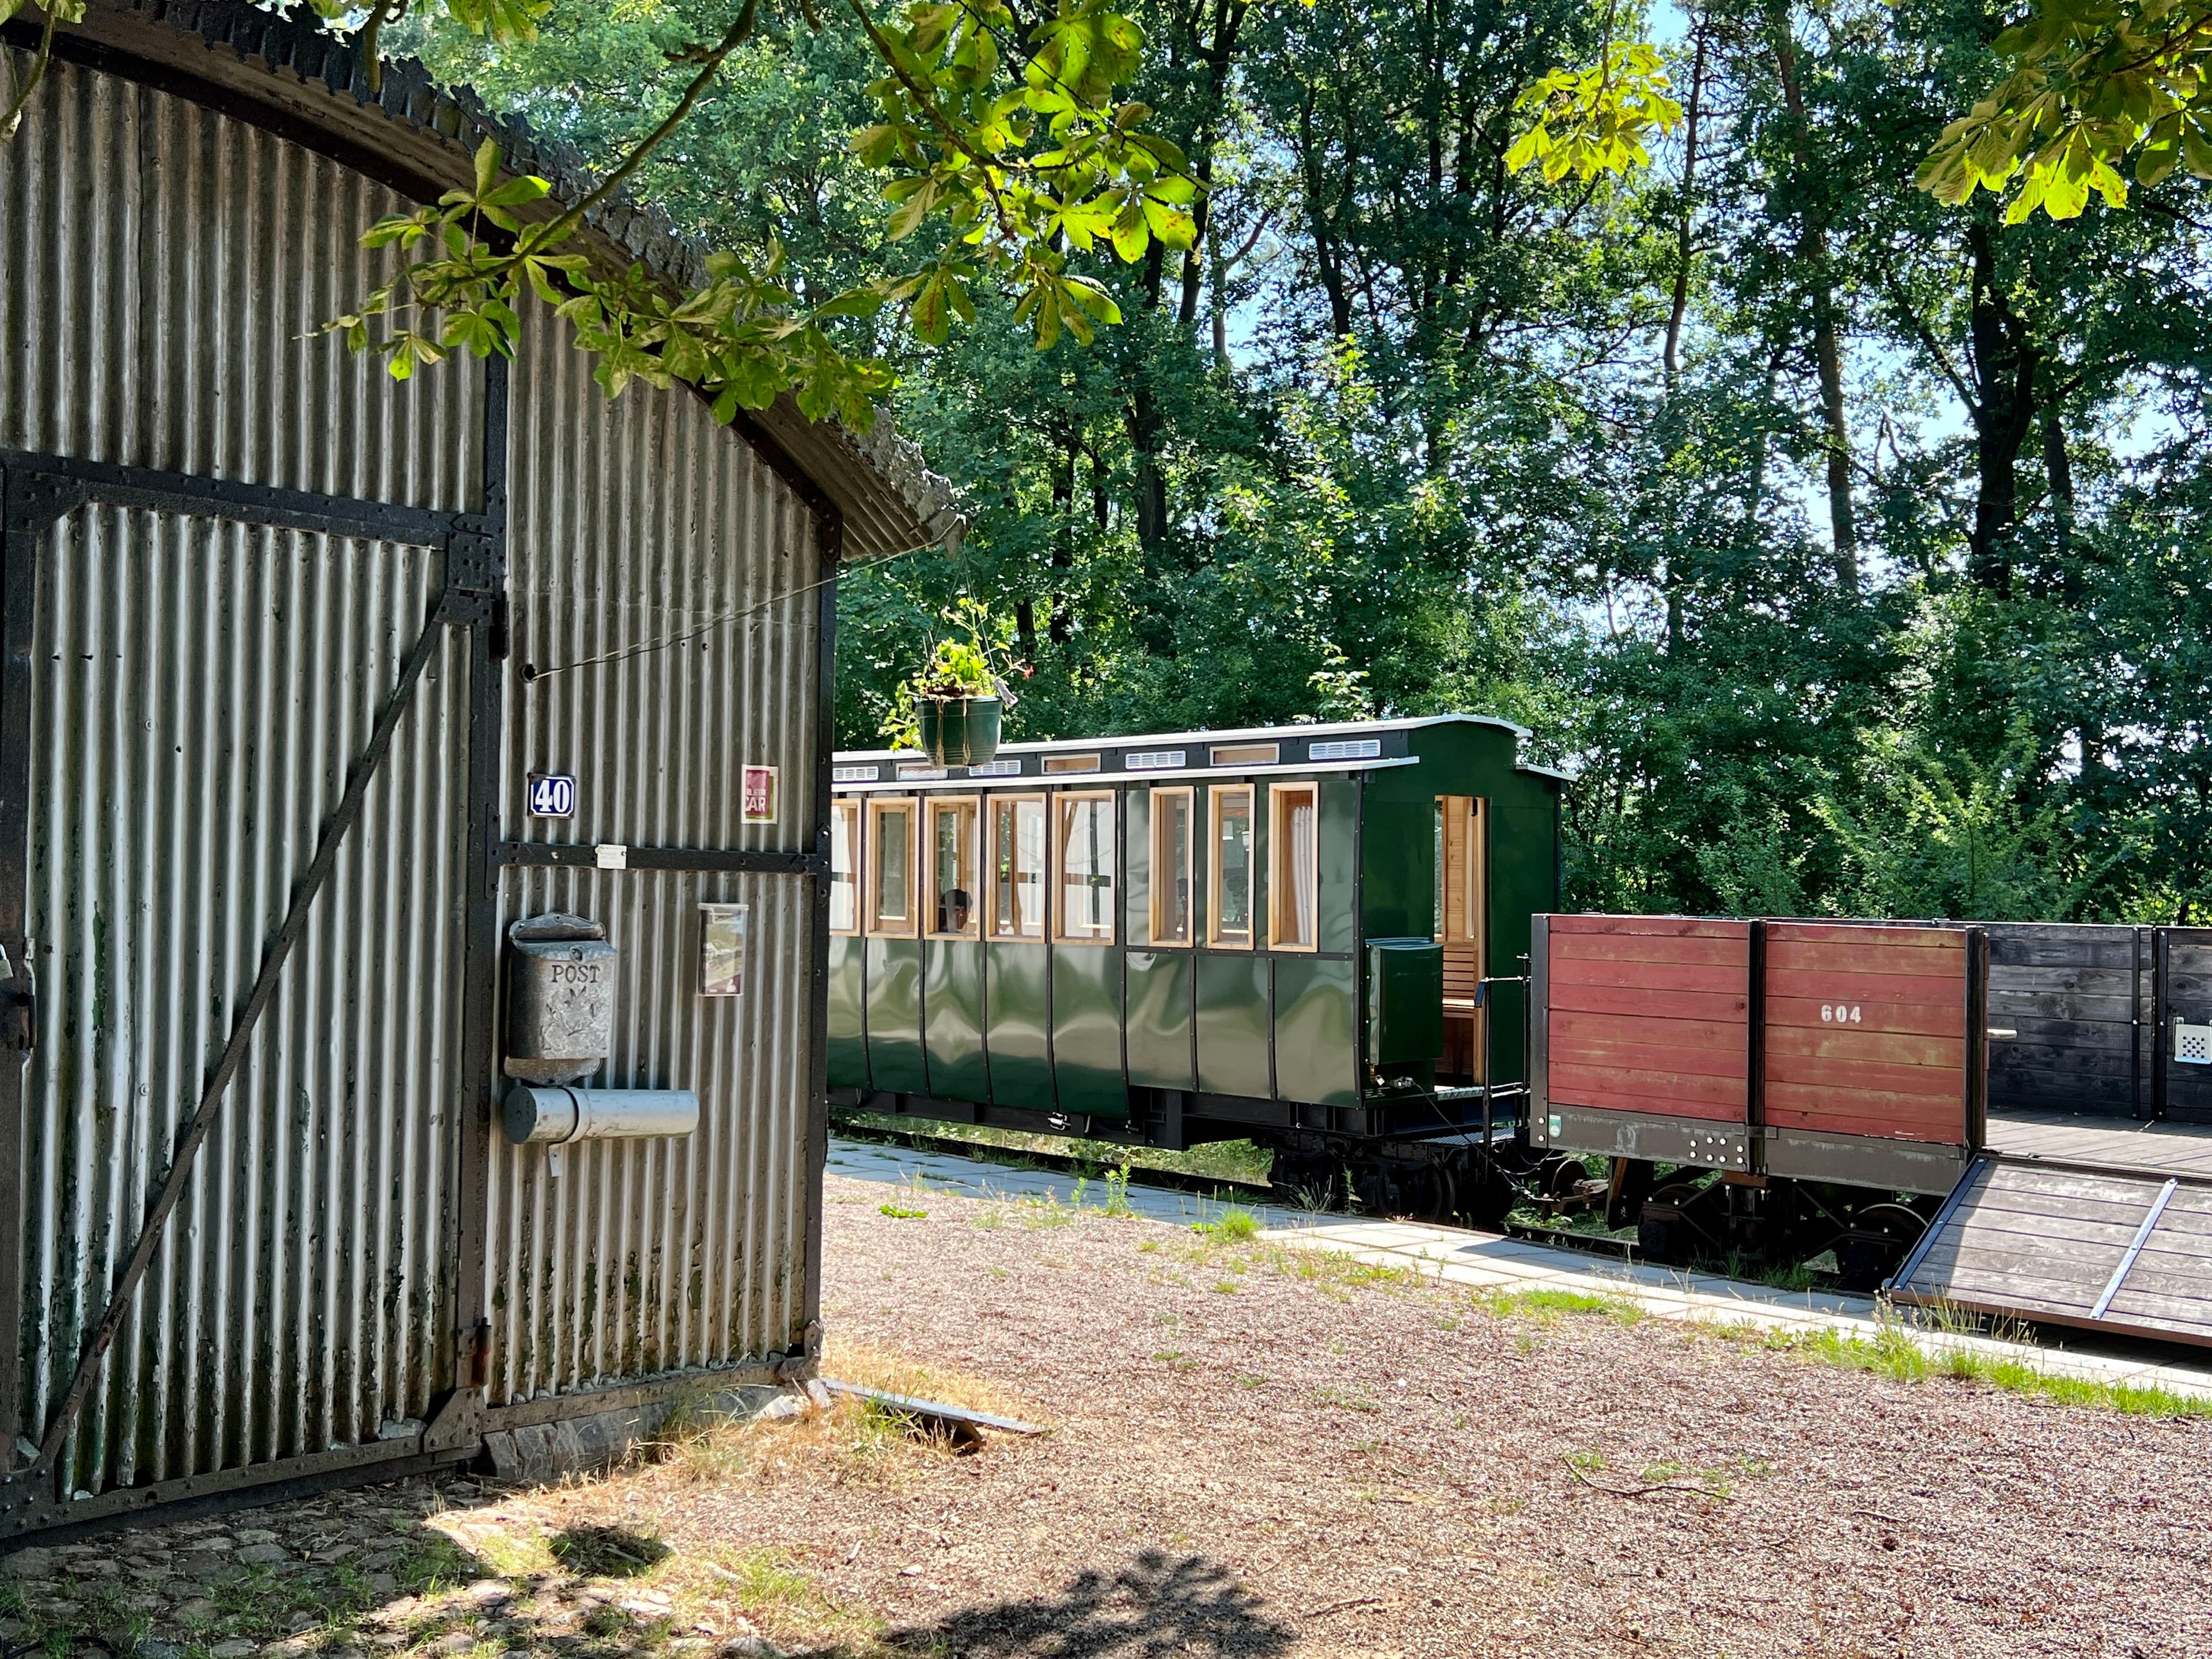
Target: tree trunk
[(1328, 263), (1219, 54), (1062, 625), (2004, 361), (1670, 354), (1146, 428), (1828, 343), (1679, 303)]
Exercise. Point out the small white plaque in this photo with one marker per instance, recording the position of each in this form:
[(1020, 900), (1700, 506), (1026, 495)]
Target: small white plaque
[(611, 855)]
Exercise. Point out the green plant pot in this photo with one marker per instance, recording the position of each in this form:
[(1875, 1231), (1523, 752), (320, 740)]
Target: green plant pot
[(960, 731)]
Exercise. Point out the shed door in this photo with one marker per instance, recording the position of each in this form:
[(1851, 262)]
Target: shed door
[(201, 692)]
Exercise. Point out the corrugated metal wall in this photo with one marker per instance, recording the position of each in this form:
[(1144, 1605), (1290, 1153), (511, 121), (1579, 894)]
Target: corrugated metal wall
[(202, 690), (163, 271), (644, 1256), (636, 522)]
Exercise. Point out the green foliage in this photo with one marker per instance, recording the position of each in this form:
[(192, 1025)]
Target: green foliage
[(2092, 82), (1010, 141), (1601, 119), (1397, 420)]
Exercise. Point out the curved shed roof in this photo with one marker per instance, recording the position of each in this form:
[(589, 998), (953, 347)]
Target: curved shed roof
[(286, 73)]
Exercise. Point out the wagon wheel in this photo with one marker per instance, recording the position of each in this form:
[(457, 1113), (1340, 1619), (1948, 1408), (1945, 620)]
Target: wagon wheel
[(1560, 1175), (1439, 1192), (1874, 1248)]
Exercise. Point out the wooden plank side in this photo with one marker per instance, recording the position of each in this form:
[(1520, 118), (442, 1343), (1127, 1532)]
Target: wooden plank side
[(1935, 1082), (1649, 947), (1688, 1062), (1665, 1093), (1653, 927), (1792, 1007), (2016, 1292), (1856, 935), (1817, 985), (2112, 1227), (1846, 1045), (2063, 1043), (1805, 956), (1718, 979), (1655, 1003), (1727, 1036), (2074, 980), (2034, 1181), (2065, 946)]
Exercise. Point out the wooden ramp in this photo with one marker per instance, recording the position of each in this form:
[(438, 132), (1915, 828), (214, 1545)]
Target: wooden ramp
[(2125, 1250)]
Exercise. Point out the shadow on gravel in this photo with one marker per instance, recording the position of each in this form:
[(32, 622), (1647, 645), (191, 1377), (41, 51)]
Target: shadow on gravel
[(1153, 1608), (607, 1551)]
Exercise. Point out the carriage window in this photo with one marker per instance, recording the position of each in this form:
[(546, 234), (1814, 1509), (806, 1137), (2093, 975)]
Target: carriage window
[(1173, 867), (890, 863), (1086, 869), (1293, 867), (844, 866), (952, 867), (1017, 867), (1230, 864)]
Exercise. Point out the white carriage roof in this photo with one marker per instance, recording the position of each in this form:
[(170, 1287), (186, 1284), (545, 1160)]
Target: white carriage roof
[(285, 71), (1299, 731), (1160, 757)]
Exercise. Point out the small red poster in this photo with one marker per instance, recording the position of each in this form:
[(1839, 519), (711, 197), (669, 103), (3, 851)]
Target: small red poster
[(760, 794)]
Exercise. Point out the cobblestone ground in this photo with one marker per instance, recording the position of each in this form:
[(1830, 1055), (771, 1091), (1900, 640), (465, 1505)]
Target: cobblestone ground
[(356, 1576)]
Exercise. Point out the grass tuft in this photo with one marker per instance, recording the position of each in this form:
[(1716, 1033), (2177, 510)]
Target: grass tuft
[(1234, 1225), (1891, 1353)]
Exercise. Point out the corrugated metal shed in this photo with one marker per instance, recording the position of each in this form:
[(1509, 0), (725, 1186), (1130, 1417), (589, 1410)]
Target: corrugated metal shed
[(284, 642)]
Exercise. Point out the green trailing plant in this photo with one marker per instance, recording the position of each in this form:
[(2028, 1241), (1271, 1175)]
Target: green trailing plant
[(977, 661)]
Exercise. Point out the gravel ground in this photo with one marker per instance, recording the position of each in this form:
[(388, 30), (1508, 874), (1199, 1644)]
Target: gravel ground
[(1251, 1451), (1256, 1463)]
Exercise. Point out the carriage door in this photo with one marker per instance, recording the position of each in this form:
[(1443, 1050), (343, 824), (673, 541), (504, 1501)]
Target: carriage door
[(233, 764), (1462, 928)]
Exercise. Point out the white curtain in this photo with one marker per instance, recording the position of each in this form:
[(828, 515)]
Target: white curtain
[(1304, 876)]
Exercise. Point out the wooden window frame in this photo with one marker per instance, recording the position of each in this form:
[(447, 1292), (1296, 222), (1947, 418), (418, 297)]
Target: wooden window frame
[(1188, 797), (878, 805), (990, 806), (1056, 865), (1475, 923), (1214, 797), (932, 806), (848, 809), (1278, 853)]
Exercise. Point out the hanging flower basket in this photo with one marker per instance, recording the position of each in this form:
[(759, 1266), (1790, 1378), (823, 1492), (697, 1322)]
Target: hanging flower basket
[(959, 731)]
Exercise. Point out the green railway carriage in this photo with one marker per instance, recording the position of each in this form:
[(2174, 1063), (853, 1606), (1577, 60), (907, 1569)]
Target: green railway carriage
[(1309, 934)]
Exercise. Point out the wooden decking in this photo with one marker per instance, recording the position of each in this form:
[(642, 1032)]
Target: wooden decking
[(2175, 1149), (2103, 1225)]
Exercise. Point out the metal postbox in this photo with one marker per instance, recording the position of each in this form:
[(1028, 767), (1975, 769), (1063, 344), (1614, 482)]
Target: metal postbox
[(560, 998)]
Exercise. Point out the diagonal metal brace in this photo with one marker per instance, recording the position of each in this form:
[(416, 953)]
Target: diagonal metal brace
[(102, 1336), (39, 500)]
